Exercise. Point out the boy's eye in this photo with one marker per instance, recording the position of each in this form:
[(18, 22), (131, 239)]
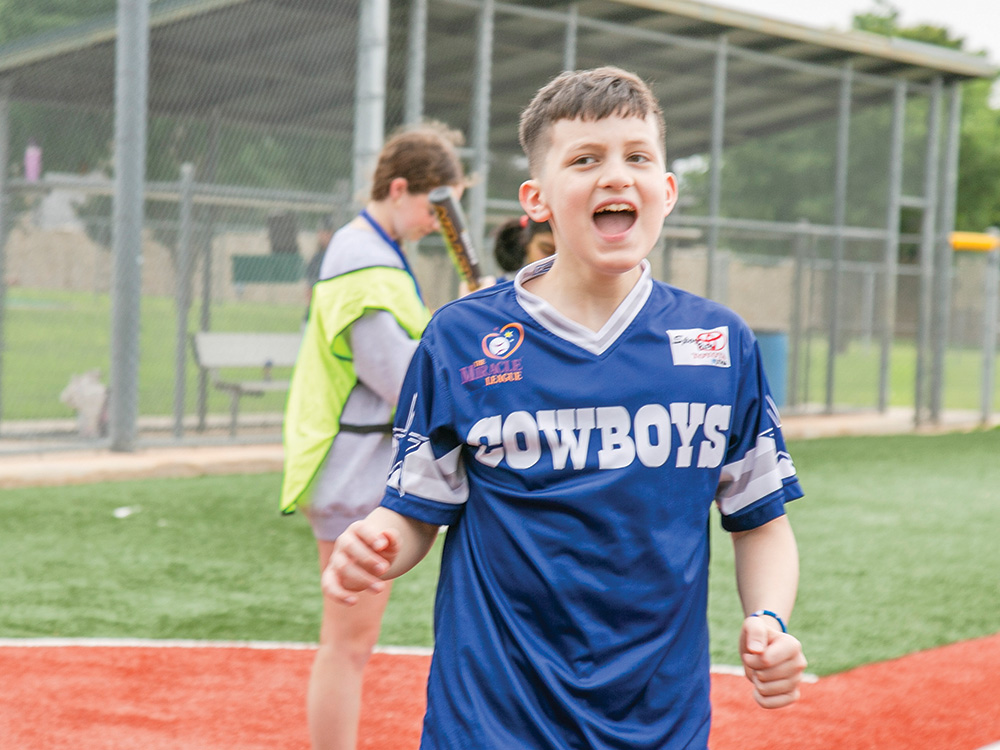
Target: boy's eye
[(638, 158), (583, 160)]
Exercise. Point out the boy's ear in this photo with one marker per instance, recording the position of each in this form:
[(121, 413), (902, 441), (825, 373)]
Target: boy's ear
[(530, 196), (671, 197)]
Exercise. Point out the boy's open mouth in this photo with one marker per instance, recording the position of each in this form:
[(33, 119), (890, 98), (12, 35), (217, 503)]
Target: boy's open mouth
[(614, 218)]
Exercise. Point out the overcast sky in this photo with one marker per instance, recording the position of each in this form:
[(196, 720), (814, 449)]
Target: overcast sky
[(978, 21)]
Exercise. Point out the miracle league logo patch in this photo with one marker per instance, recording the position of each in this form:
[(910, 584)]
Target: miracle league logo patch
[(492, 373), (501, 344), (498, 346)]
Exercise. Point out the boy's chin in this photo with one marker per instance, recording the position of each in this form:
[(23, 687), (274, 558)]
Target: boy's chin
[(620, 262)]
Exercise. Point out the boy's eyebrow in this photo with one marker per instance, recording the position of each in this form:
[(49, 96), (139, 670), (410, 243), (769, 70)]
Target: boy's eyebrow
[(588, 145), (600, 145)]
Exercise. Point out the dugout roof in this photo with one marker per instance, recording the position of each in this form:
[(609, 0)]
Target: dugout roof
[(279, 64)]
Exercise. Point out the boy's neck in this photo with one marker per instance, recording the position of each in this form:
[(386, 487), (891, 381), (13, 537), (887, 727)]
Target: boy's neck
[(590, 300)]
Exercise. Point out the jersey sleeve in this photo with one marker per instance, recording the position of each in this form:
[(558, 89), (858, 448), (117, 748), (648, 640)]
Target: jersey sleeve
[(427, 479), (758, 476)]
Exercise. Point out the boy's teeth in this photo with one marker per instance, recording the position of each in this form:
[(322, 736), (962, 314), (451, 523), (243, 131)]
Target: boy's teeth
[(615, 207)]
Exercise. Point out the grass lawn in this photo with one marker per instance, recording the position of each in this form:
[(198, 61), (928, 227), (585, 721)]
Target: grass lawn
[(52, 334), (896, 538), (856, 376)]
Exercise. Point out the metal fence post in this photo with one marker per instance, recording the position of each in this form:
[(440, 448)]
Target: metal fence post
[(839, 221), (719, 80), (991, 308), (131, 92), (4, 151), (207, 217), (480, 124), (369, 94), (943, 252), (416, 69), (800, 243), (183, 267), (890, 259), (928, 236)]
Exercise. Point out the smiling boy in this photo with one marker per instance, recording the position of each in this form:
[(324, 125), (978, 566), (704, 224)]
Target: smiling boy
[(571, 608)]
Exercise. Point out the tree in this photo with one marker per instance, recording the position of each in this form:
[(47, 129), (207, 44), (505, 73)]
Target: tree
[(20, 19), (978, 200), (789, 175)]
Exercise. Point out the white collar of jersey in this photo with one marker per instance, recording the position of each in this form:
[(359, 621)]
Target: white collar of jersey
[(596, 342)]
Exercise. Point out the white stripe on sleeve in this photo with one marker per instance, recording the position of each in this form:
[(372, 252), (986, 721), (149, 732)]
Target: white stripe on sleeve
[(751, 478), (442, 480)]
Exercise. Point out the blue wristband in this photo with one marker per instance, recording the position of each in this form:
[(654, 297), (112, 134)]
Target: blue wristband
[(769, 613)]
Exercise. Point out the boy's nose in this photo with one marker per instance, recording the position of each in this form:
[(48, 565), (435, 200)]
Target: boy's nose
[(616, 174)]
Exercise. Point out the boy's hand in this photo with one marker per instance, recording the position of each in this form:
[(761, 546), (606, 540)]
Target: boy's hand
[(361, 555), (773, 661)]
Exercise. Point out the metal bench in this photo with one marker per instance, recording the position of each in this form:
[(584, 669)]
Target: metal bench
[(260, 351)]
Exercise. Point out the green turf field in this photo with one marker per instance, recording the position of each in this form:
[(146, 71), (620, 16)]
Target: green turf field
[(897, 537)]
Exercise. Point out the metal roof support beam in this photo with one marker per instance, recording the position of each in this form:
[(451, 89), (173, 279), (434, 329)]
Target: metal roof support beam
[(715, 165), (416, 67), (815, 69), (480, 125), (839, 222), (683, 42), (572, 34), (928, 238), (946, 225), (891, 256), (369, 95), (131, 95)]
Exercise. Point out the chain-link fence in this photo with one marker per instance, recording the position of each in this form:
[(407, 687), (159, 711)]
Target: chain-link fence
[(790, 229)]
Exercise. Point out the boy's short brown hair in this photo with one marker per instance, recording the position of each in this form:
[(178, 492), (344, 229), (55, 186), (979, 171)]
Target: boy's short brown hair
[(587, 95), (426, 155)]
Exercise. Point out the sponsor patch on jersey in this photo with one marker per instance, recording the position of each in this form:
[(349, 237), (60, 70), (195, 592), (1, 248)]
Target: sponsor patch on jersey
[(700, 346)]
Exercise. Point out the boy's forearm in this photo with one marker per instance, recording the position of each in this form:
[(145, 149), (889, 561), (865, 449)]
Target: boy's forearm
[(416, 539), (767, 568)]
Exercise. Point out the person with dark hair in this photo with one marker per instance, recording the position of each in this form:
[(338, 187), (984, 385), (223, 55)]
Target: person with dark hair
[(365, 316), (324, 233), (520, 241)]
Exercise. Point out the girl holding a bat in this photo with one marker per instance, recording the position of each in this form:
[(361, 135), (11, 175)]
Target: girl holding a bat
[(365, 316)]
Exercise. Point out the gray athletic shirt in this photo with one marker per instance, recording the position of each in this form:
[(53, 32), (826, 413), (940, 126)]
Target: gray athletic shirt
[(352, 479)]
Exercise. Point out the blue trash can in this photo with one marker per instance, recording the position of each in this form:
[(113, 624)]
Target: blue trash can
[(774, 354)]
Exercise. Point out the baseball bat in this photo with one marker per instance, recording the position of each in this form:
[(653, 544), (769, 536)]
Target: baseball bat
[(456, 235)]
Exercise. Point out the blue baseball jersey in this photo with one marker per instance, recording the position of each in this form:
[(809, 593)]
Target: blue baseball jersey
[(576, 471)]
